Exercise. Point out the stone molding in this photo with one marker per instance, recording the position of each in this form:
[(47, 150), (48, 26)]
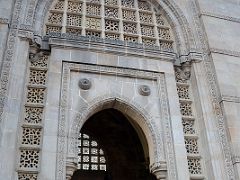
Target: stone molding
[(234, 99), (31, 5), (96, 105), (214, 91), (108, 46), (220, 16), (225, 52)]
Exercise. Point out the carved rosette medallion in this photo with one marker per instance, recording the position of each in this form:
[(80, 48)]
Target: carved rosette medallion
[(144, 90), (85, 84)]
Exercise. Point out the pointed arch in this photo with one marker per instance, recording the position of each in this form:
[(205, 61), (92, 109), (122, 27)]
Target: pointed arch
[(124, 105)]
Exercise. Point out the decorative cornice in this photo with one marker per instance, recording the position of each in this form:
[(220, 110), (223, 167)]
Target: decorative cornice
[(225, 52), (219, 16), (230, 99), (4, 21), (108, 46)]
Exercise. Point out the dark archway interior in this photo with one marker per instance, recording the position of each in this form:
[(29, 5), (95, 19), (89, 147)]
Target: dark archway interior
[(122, 146)]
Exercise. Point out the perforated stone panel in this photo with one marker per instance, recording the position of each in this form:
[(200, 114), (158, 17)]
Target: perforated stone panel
[(37, 77), (188, 126), (29, 159), (183, 92), (35, 95), (191, 146), (186, 109), (31, 136), (40, 63), (27, 176), (125, 18), (194, 166)]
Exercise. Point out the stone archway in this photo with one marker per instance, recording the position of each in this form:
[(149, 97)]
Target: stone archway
[(139, 117), (124, 145)]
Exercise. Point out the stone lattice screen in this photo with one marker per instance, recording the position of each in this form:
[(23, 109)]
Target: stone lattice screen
[(190, 129), (127, 20), (90, 155)]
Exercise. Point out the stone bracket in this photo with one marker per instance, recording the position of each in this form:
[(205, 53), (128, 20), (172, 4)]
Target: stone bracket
[(191, 57), (159, 169), (71, 167)]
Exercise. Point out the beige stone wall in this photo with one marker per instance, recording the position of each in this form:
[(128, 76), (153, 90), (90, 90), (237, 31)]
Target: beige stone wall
[(221, 21), (221, 25)]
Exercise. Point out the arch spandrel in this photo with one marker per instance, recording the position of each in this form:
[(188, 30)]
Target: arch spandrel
[(133, 110)]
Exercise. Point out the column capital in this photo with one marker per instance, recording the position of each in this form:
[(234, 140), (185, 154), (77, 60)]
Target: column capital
[(71, 167), (159, 169)]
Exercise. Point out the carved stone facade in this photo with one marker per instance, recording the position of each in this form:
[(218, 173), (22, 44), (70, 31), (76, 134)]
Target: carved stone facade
[(172, 67)]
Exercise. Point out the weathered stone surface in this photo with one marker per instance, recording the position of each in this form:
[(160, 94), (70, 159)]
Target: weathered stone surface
[(202, 34)]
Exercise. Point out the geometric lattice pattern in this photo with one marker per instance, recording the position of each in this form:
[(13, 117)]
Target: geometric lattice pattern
[(188, 126), (90, 155), (31, 133), (186, 109), (191, 146), (35, 95), (183, 92), (127, 20), (194, 166), (31, 136), (37, 77), (190, 136), (33, 115), (29, 159), (27, 176), (42, 62)]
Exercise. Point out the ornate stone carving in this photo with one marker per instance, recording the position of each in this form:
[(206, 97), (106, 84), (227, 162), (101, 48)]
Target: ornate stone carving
[(214, 92), (183, 72), (71, 167), (144, 90), (133, 109), (85, 84), (29, 159), (159, 170), (34, 51)]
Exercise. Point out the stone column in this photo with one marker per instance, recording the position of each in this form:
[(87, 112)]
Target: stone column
[(159, 169), (71, 167)]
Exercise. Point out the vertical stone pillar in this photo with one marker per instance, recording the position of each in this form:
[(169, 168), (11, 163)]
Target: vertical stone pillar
[(159, 170)]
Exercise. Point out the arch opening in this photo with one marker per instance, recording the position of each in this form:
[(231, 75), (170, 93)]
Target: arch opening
[(124, 145)]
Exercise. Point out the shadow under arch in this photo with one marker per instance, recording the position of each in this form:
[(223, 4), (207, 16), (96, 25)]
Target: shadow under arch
[(138, 115)]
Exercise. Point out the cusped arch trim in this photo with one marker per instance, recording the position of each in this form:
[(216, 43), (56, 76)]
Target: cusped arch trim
[(184, 38), (127, 107)]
